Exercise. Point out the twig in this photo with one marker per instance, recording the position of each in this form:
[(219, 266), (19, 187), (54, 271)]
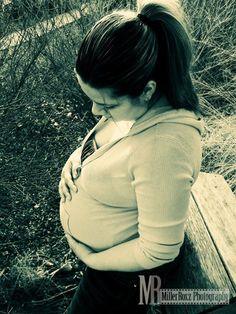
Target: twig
[(52, 298)]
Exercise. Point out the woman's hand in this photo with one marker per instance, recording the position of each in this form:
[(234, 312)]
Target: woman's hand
[(70, 172), (81, 250)]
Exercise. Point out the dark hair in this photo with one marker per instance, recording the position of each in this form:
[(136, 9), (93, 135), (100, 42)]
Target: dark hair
[(123, 51)]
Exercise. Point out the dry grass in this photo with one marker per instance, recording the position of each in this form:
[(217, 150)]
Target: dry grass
[(219, 147)]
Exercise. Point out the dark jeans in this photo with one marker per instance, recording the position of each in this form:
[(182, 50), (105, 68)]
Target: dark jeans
[(114, 292)]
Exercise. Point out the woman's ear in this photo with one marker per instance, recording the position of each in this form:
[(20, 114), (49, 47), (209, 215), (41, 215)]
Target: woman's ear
[(149, 90)]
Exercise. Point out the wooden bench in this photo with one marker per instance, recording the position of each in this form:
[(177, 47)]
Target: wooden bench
[(209, 260)]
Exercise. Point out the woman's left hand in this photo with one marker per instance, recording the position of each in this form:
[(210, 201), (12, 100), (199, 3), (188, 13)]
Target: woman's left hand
[(81, 250)]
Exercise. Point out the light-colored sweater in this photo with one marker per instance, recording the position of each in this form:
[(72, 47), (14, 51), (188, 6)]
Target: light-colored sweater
[(138, 186)]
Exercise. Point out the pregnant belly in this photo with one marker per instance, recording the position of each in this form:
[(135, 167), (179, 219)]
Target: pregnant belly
[(95, 224)]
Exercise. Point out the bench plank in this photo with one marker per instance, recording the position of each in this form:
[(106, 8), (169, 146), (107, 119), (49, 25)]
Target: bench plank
[(202, 266), (217, 205)]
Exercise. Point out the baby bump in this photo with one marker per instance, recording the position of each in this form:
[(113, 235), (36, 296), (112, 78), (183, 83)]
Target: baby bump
[(70, 216), (64, 218), (70, 211), (97, 224), (87, 221)]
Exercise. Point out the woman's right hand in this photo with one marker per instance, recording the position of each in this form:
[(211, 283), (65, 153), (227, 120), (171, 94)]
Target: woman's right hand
[(70, 172)]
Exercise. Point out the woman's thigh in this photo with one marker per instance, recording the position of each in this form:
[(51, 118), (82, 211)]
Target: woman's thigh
[(106, 292), (116, 292)]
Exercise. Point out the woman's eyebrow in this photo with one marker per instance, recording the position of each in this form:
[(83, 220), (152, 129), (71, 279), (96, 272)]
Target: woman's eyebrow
[(106, 105)]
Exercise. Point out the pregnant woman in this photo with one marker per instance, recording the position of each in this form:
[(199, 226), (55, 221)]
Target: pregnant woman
[(125, 191)]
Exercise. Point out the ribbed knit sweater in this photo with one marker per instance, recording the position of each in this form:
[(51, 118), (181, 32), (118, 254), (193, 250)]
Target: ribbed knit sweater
[(138, 186)]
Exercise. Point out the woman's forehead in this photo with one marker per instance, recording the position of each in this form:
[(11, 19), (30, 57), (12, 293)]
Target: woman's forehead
[(97, 95)]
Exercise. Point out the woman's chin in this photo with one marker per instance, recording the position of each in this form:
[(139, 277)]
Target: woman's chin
[(107, 115)]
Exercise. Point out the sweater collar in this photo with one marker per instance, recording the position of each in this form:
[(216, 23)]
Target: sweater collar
[(159, 113)]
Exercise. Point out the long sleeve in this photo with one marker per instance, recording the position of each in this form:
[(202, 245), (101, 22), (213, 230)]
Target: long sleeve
[(162, 174)]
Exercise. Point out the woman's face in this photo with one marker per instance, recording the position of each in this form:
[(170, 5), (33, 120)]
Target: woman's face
[(122, 108)]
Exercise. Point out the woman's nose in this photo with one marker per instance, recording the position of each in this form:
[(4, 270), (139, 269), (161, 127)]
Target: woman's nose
[(98, 110)]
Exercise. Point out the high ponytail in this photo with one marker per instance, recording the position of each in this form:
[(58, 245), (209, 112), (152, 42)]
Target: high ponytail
[(124, 50), (172, 71)]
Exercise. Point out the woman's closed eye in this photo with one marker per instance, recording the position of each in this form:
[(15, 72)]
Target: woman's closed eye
[(105, 106), (110, 107)]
